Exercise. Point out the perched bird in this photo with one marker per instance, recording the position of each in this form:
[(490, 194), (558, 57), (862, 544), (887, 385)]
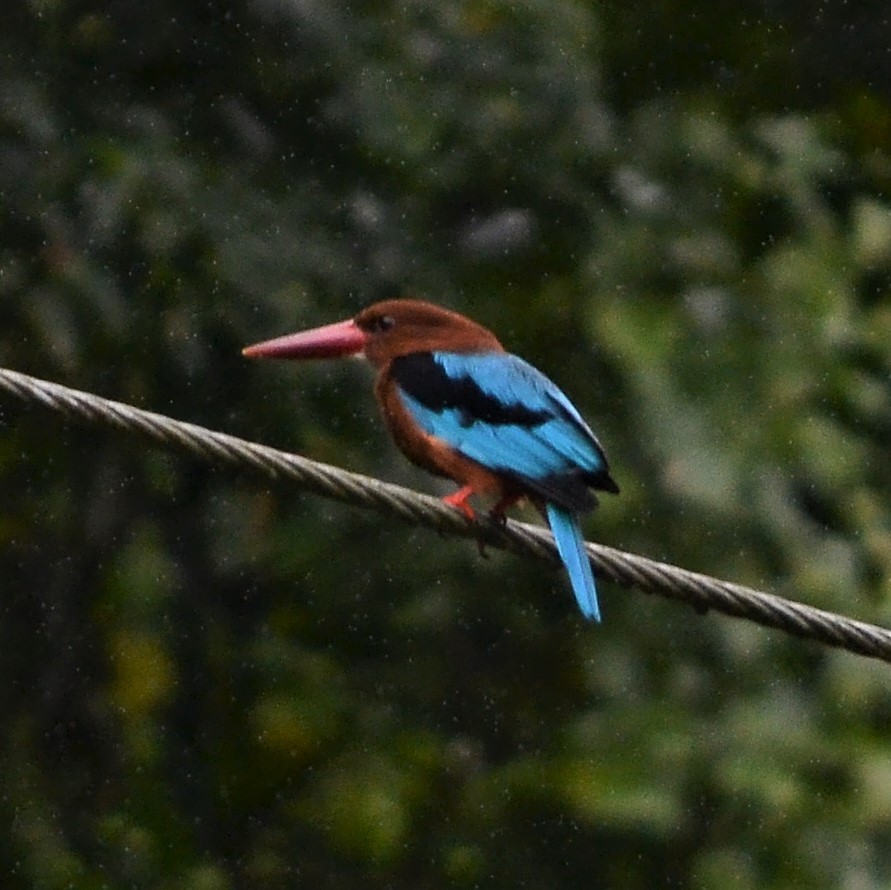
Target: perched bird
[(459, 405)]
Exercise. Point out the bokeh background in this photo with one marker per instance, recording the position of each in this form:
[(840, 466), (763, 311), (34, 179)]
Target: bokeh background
[(680, 211)]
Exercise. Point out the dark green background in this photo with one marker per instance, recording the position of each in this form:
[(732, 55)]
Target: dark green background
[(679, 211)]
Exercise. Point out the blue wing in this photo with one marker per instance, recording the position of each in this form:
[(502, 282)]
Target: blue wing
[(498, 410)]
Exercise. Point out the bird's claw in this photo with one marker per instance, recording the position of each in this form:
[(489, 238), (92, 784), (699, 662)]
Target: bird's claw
[(498, 516)]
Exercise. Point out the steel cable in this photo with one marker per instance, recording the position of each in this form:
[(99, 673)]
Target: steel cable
[(629, 570)]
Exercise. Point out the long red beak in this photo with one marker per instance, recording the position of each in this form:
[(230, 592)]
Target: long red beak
[(329, 341)]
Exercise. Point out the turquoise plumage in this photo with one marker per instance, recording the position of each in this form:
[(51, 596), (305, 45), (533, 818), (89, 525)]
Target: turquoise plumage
[(501, 412), (571, 546)]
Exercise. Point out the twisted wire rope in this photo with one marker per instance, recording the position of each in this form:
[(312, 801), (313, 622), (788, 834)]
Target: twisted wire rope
[(629, 570)]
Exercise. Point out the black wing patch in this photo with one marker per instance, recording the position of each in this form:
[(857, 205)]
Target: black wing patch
[(424, 379)]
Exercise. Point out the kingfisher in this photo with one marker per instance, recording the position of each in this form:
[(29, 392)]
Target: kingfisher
[(459, 405)]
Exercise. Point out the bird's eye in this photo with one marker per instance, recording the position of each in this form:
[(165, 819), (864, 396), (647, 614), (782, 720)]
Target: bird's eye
[(380, 324)]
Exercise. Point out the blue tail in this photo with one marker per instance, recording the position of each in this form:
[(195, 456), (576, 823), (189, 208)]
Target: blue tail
[(571, 547)]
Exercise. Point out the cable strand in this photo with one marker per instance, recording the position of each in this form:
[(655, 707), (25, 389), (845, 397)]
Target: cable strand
[(702, 592)]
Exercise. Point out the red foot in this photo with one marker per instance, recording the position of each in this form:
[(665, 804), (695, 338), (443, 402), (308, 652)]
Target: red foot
[(459, 499)]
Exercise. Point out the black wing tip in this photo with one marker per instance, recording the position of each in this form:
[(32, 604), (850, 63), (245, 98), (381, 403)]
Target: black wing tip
[(567, 490), (572, 491), (605, 482)]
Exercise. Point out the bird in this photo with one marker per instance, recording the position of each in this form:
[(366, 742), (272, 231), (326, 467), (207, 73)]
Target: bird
[(459, 405)]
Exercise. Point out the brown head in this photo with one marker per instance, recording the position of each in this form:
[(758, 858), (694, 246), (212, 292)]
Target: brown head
[(383, 332)]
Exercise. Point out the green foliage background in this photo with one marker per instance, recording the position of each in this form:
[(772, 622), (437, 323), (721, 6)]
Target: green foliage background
[(681, 214)]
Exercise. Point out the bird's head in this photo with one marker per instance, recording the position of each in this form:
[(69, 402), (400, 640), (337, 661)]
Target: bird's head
[(382, 332)]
